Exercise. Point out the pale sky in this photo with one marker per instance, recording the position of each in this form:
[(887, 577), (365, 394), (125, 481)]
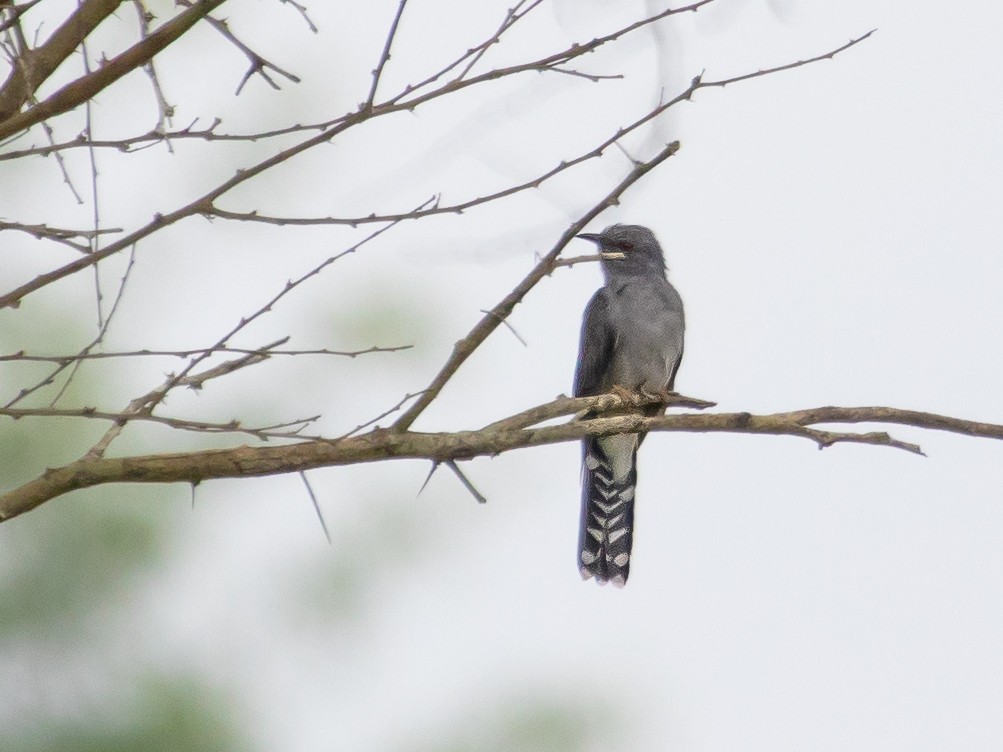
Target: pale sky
[(834, 232)]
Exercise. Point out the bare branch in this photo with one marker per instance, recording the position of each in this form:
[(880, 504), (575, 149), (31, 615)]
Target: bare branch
[(145, 405), (474, 54), (593, 77), (374, 421), (68, 359), (302, 12), (34, 66), (514, 15), (390, 443), (102, 325), (59, 234), (164, 109), (258, 63), (119, 419), (79, 91), (205, 204), (14, 13), (385, 55)]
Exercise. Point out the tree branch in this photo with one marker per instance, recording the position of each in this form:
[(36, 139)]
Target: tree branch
[(205, 204), (79, 91), (391, 443), (34, 66)]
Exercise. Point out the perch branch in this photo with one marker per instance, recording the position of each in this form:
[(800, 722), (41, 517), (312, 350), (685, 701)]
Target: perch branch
[(390, 443)]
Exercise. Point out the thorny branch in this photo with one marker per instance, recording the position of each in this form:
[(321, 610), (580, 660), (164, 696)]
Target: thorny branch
[(205, 205), (258, 64), (384, 444), (79, 91), (603, 415), (146, 404), (69, 359)]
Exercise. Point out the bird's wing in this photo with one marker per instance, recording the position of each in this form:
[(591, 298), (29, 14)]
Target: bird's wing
[(672, 317), (596, 347)]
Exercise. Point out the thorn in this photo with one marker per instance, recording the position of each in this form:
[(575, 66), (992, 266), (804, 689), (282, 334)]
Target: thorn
[(451, 464), (435, 466), (316, 507), (508, 325)]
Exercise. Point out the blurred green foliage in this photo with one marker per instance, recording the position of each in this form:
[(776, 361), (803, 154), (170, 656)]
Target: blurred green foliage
[(528, 722), (71, 573)]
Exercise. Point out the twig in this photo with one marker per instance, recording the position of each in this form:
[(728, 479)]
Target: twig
[(164, 109), (385, 55), (120, 418), (372, 421), (68, 359), (302, 12), (103, 328), (57, 234), (594, 77), (66, 363), (514, 15), (258, 64)]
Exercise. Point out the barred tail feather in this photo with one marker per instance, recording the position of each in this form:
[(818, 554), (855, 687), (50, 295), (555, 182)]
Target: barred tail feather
[(609, 475)]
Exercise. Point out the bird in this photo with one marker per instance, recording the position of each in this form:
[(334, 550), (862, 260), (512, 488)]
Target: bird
[(631, 342)]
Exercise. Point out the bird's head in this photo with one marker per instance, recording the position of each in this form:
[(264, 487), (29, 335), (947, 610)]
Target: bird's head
[(633, 250)]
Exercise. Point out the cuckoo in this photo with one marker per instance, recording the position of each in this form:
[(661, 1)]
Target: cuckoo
[(631, 342)]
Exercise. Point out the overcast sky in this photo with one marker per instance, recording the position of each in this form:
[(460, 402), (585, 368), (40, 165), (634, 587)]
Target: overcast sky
[(835, 234)]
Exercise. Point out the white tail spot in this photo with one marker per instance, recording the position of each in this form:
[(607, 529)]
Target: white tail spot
[(607, 508), (613, 538)]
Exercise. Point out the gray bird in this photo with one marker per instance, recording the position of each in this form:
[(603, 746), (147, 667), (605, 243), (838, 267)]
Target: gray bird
[(632, 340)]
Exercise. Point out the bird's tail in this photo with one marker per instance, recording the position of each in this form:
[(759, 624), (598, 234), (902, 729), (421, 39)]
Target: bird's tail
[(609, 475)]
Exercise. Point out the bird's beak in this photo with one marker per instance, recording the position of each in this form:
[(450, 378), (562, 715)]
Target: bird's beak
[(589, 236)]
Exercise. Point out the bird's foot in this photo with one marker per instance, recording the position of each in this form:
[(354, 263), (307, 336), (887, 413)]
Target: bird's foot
[(629, 396)]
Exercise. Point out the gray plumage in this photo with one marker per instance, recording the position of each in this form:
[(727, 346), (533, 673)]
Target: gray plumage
[(632, 339)]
